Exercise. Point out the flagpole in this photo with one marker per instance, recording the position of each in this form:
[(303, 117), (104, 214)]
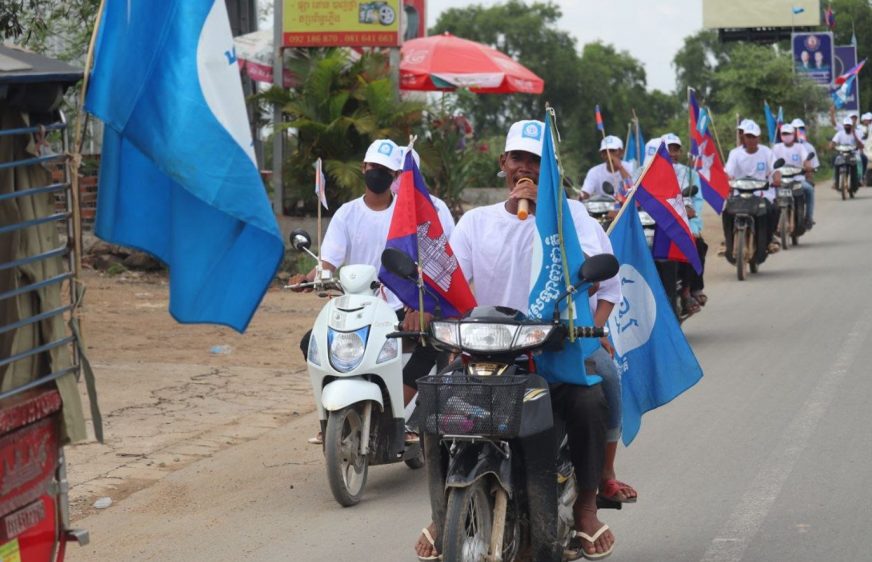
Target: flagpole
[(715, 129), (410, 146), (603, 131), (637, 137), (319, 172), (626, 204)]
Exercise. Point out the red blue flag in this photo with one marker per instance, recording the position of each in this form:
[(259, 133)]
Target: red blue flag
[(659, 194), (712, 177), (853, 71), (599, 120), (415, 226), (830, 18)]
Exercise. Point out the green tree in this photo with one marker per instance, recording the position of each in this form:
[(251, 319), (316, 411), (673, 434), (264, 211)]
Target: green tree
[(58, 28), (697, 62), (339, 109)]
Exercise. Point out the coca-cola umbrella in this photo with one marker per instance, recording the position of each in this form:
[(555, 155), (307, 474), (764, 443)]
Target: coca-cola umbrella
[(445, 62)]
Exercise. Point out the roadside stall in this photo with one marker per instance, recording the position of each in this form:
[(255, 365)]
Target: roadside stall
[(40, 353)]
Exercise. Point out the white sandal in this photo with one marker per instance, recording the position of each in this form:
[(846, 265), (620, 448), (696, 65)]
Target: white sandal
[(582, 553), (426, 532)]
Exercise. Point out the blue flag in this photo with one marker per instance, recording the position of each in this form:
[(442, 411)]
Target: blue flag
[(178, 178), (635, 151), (770, 122), (651, 351), (557, 257)]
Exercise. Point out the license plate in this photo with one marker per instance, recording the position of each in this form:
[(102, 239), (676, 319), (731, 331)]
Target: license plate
[(785, 192)]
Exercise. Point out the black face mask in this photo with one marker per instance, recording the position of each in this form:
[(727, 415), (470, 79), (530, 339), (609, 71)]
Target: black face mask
[(378, 180)]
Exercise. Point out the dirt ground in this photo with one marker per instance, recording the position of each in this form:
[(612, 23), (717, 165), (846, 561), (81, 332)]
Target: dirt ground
[(170, 393)]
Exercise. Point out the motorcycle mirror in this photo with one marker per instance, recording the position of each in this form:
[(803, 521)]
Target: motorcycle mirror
[(810, 157), (778, 163), (608, 188), (399, 263), (690, 191), (599, 268), (300, 240)]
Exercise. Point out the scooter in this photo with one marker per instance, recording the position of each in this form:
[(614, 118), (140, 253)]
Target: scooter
[(747, 209), (356, 373), (790, 198), (846, 169), (480, 407)]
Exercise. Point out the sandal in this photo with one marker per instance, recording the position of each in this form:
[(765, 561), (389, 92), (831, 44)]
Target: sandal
[(576, 550), (609, 490), (317, 440), (701, 298), (690, 305), (426, 532)]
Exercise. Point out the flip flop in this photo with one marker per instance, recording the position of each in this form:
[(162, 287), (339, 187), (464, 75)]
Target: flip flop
[(317, 440), (426, 532), (580, 552), (610, 488)]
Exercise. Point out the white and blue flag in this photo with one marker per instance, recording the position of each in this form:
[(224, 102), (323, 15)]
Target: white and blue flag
[(178, 177), (557, 259), (656, 362)]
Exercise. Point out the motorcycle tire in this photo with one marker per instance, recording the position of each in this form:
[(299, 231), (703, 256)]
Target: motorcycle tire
[(782, 228), (416, 462), (346, 467), (739, 247), (844, 186), (468, 523)]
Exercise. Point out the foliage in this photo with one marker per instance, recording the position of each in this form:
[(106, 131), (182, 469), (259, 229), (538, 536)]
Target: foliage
[(697, 62), (340, 108), (58, 28), (858, 13)]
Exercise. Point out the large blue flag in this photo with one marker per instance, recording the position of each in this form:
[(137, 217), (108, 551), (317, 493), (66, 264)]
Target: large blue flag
[(178, 177), (656, 361), (770, 122), (557, 259)]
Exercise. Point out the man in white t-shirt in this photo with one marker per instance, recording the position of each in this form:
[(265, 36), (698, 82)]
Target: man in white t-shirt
[(493, 248), (847, 137), (754, 161), (795, 154), (357, 234), (612, 170), (802, 138)]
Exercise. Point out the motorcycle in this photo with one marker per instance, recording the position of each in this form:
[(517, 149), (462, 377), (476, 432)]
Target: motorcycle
[(746, 208), (790, 198), (481, 406), (846, 170), (602, 207), (356, 373)]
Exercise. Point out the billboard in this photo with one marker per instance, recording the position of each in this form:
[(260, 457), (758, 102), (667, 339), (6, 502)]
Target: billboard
[(846, 57), (813, 56), (721, 14), (414, 24), (341, 23)]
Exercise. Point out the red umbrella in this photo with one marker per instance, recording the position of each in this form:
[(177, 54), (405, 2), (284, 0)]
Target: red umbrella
[(445, 62)]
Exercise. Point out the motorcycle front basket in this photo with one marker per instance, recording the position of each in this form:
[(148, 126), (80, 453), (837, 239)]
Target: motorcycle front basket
[(489, 406), (754, 206)]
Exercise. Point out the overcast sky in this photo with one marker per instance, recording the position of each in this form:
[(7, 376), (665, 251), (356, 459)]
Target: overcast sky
[(651, 30)]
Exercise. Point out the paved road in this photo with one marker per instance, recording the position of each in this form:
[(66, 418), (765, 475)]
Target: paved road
[(767, 459)]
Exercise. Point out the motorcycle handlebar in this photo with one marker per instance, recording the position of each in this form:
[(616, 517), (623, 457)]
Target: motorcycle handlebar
[(401, 334), (591, 332)]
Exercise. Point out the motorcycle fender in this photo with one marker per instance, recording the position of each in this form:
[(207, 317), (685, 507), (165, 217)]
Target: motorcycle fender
[(473, 461), (340, 393)]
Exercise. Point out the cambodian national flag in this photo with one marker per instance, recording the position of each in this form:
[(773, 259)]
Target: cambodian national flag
[(416, 231), (853, 71), (599, 120), (830, 18), (178, 176), (656, 362), (659, 194), (712, 177)]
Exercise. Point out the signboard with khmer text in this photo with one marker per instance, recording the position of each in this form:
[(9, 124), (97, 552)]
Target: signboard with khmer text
[(341, 23)]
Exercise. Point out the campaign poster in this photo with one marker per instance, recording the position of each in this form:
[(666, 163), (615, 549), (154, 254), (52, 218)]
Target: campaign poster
[(813, 56)]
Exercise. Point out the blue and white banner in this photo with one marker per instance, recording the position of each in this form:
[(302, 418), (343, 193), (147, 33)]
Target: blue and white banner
[(656, 362), (178, 177)]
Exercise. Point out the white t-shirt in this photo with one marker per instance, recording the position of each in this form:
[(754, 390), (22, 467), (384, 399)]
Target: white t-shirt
[(815, 163), (794, 155), (357, 235), (841, 137), (593, 181), (494, 250), (740, 164)]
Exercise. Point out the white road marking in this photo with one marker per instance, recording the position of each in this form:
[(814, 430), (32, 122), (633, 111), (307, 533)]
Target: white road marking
[(743, 524)]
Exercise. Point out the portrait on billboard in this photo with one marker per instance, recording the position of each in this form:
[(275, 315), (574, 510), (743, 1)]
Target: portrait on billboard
[(813, 56)]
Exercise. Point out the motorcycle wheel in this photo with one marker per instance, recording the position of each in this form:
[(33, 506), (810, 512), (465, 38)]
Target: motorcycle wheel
[(468, 522), (346, 467), (782, 228), (416, 462), (844, 186), (739, 247)]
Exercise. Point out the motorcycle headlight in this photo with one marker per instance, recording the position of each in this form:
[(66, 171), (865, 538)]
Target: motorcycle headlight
[(346, 348), (313, 356), (599, 207), (487, 337), (389, 351)]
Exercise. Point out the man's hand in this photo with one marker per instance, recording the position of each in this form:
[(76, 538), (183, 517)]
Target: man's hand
[(412, 321), (691, 212), (301, 278), (522, 190), (593, 289), (607, 345)]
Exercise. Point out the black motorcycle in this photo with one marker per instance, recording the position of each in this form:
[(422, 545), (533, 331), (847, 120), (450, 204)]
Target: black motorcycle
[(748, 213), (480, 407), (845, 163), (790, 199)]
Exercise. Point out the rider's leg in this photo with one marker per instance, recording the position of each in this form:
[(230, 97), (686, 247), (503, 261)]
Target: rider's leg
[(586, 413), (436, 461), (727, 220), (808, 189)]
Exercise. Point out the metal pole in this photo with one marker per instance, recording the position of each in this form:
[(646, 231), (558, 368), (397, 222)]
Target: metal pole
[(278, 135)]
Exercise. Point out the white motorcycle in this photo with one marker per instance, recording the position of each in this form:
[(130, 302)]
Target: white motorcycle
[(356, 372)]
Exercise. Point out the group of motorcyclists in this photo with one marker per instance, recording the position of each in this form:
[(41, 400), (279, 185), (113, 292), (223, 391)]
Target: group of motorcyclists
[(491, 246)]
